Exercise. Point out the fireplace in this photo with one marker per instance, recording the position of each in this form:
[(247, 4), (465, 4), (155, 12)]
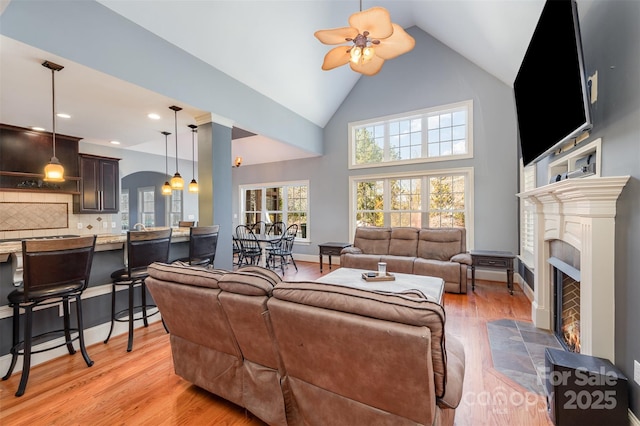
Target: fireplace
[(567, 310), (565, 262), (580, 213)]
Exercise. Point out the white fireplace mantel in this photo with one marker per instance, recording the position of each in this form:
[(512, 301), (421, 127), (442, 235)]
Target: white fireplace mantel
[(580, 212)]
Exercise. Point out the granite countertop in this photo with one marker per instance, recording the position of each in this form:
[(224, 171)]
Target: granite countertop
[(103, 242)]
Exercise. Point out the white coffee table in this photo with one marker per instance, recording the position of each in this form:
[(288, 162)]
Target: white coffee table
[(430, 287)]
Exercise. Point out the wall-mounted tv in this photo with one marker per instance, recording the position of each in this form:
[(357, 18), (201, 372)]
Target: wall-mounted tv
[(551, 86)]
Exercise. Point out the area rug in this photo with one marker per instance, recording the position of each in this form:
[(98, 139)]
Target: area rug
[(517, 350)]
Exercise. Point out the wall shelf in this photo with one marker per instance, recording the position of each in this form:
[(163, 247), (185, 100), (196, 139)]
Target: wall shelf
[(571, 161)]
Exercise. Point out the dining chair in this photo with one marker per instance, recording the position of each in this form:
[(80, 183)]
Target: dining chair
[(186, 223), (260, 227), (55, 271), (276, 228), (203, 242), (283, 249), (143, 248), (250, 250)]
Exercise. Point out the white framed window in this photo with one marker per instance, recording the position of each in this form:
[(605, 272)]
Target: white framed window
[(433, 134), (424, 199), (286, 202), (527, 215), (146, 206), (174, 208), (124, 209)]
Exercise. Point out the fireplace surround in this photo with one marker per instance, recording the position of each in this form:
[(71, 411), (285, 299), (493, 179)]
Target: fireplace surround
[(580, 212)]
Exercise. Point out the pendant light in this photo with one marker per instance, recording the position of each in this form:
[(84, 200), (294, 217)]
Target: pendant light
[(53, 172), (193, 185), (177, 182), (166, 188)]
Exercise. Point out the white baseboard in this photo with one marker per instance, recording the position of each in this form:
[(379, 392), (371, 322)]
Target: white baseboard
[(92, 336)]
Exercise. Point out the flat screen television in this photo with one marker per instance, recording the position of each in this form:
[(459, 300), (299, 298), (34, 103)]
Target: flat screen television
[(550, 88)]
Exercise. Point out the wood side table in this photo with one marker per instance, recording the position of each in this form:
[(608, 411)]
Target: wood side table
[(492, 259), (331, 249)]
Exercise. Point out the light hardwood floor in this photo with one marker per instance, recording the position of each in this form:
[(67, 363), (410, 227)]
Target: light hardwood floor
[(140, 387)]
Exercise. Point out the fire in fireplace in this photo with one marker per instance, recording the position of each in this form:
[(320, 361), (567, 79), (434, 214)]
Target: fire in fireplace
[(567, 310)]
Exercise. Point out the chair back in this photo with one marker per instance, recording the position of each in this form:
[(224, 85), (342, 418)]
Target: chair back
[(247, 238), (260, 227), (277, 228), (292, 231), (62, 264), (186, 224), (146, 247), (203, 241)]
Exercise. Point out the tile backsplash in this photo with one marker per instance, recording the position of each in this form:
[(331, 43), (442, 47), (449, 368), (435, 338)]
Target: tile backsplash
[(47, 214)]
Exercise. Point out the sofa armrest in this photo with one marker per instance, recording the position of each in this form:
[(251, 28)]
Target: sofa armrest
[(455, 373), (462, 258), (351, 250)]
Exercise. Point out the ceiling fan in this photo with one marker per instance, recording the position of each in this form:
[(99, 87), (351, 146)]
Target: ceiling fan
[(372, 39)]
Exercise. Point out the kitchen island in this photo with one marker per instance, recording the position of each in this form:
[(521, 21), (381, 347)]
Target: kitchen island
[(109, 256)]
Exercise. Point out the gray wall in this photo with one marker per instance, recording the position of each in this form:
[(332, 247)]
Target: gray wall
[(611, 44), (430, 75), (130, 162)]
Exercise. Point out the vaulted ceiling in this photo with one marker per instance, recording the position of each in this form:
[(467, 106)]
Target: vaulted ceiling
[(266, 45)]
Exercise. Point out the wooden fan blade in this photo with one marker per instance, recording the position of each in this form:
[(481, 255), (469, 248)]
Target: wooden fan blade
[(336, 57), (375, 20), (400, 42), (336, 35), (371, 67)]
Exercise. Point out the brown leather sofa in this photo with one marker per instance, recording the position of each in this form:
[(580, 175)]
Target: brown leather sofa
[(309, 353), (437, 252)]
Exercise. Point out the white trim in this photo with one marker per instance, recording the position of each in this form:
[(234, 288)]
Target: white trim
[(422, 113), (241, 201), (468, 172)]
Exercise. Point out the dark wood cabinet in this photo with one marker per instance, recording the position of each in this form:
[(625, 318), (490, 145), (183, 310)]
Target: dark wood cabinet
[(99, 185), (25, 152)]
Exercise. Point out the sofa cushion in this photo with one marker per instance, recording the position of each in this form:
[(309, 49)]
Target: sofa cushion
[(250, 281), (404, 241), (360, 261), (448, 271), (371, 304), (372, 240), (182, 273), (440, 244), (402, 264)]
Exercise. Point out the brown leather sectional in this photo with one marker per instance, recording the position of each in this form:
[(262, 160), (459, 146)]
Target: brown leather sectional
[(436, 252), (310, 353)]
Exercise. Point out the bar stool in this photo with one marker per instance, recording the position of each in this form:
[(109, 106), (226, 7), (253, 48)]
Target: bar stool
[(203, 242), (143, 248), (55, 270)]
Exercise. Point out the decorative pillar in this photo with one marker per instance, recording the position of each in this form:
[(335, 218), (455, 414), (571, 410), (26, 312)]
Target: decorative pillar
[(214, 179)]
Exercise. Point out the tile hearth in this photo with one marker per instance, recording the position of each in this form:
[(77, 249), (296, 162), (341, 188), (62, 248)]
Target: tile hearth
[(517, 350)]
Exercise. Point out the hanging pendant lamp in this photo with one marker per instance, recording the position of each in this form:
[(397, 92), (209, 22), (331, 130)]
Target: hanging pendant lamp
[(53, 172), (166, 188), (177, 182), (193, 185)]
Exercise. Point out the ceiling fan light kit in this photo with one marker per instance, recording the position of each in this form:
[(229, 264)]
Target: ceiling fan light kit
[(372, 39)]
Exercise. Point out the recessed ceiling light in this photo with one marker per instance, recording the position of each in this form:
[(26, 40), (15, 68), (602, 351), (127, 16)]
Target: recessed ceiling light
[(153, 116), (38, 129), (62, 115), (115, 142)]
